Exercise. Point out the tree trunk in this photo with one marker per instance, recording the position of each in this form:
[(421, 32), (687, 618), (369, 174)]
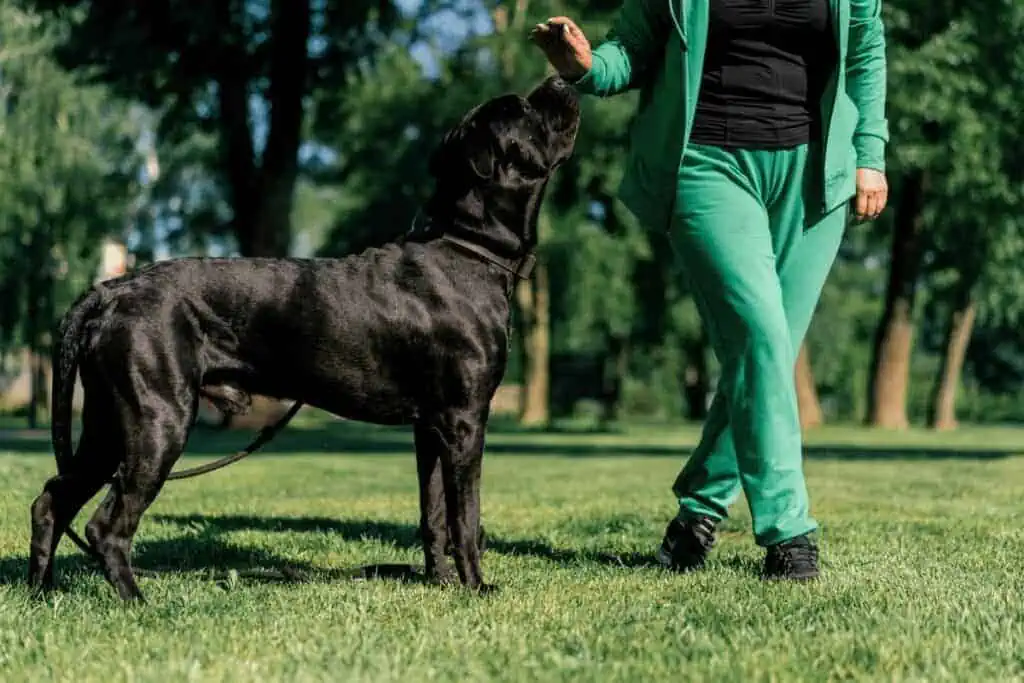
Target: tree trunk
[(806, 392), (31, 334), (533, 296), (696, 379), (39, 396), (942, 404), (534, 305), (262, 192), (894, 338), (34, 283), (616, 366)]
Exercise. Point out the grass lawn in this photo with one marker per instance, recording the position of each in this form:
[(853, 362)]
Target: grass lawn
[(923, 553)]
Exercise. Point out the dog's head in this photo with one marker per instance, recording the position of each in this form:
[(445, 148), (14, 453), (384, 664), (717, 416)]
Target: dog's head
[(491, 168)]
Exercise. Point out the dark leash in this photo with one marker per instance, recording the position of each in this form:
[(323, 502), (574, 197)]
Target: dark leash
[(264, 436)]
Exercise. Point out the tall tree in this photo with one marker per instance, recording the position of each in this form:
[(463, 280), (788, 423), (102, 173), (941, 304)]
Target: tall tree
[(942, 402), (69, 168), (240, 71), (894, 338), (927, 41), (978, 219)]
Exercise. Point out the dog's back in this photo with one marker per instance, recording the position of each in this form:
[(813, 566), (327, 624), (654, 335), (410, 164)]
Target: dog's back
[(359, 336)]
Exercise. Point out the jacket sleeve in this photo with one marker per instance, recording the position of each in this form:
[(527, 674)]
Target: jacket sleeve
[(866, 82), (635, 40)]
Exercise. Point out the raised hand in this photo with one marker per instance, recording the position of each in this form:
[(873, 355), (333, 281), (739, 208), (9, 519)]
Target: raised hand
[(564, 45)]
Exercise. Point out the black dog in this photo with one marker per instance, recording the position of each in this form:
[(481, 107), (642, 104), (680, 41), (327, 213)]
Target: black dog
[(414, 332)]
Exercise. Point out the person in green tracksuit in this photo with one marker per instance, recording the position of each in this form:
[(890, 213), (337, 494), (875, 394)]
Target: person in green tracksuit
[(761, 123)]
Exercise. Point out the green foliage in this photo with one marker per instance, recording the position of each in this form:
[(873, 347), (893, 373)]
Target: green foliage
[(68, 164), (228, 82), (955, 79), (343, 165)]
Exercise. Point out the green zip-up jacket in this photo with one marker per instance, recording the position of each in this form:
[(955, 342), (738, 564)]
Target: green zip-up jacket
[(658, 46)]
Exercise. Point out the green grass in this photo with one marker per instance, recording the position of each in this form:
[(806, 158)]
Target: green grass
[(923, 553)]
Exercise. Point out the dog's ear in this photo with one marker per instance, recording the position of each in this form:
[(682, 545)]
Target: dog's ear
[(466, 146), (482, 156)]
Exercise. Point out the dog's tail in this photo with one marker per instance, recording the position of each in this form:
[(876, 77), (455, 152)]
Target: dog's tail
[(67, 345)]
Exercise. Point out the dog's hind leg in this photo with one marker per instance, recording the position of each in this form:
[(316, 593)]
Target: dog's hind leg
[(64, 495), (151, 449), (433, 512)]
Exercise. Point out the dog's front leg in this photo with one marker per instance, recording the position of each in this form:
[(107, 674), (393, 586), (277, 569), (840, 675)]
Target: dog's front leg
[(461, 460), (433, 512)]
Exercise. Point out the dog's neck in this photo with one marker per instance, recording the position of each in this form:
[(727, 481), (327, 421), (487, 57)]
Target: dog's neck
[(498, 227)]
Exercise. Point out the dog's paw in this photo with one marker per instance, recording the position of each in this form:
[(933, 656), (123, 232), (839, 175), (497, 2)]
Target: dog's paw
[(445, 577), (488, 589)]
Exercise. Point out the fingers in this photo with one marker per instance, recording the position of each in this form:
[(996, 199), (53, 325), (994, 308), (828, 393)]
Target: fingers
[(872, 194), (560, 30), (877, 198), (563, 21), (872, 210), (572, 34), (861, 208), (564, 44), (883, 199), (548, 38), (870, 204), (874, 205)]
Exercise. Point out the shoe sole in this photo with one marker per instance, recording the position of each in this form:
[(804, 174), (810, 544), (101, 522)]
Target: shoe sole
[(664, 560), (793, 577)]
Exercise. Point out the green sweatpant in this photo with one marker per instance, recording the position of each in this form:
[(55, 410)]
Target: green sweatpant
[(756, 270)]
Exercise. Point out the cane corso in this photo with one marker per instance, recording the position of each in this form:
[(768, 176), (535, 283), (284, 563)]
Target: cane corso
[(415, 332)]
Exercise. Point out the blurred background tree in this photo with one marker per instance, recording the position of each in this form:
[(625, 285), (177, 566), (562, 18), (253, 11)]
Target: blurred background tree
[(266, 127)]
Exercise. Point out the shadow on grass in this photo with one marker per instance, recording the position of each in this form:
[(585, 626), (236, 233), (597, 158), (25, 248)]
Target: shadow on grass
[(351, 438), (204, 551), (216, 559), (399, 535)]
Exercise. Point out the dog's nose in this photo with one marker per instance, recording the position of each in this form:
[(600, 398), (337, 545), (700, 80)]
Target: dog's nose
[(553, 91), (556, 82)]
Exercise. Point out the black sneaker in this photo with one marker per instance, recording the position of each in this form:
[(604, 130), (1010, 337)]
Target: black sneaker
[(686, 544), (792, 560)]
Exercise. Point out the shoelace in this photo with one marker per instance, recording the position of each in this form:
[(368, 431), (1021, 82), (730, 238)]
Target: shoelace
[(693, 536), (704, 531), (798, 556)]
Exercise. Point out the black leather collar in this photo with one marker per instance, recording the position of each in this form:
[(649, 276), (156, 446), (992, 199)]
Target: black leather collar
[(521, 268)]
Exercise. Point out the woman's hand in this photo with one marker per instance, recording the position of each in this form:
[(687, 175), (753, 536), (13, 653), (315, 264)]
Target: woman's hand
[(565, 46), (872, 194)]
